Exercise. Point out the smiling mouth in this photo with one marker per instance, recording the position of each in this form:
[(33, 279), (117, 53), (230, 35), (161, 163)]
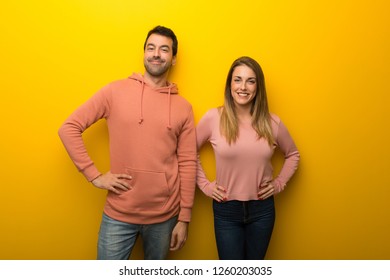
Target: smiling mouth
[(156, 61), (243, 94)]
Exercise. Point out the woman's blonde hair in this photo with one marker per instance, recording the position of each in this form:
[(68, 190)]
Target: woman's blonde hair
[(261, 119)]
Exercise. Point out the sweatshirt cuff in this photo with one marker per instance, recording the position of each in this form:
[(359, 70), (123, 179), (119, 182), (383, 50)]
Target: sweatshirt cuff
[(91, 173), (185, 215)]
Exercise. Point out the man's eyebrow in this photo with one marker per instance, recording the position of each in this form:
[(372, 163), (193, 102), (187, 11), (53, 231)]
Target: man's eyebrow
[(165, 46), (162, 46)]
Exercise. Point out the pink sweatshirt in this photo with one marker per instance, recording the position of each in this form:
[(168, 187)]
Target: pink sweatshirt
[(152, 138), (245, 165)]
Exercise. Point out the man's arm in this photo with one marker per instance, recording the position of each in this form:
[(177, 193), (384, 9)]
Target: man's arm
[(72, 129), (186, 153), (187, 158)]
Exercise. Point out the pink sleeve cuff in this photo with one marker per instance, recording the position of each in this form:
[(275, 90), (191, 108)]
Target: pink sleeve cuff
[(185, 215), (279, 186), (91, 173), (208, 189)]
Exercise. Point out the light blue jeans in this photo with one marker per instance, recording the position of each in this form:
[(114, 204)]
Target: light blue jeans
[(117, 239)]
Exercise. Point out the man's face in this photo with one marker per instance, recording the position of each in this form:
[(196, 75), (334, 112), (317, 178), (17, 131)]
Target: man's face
[(158, 55)]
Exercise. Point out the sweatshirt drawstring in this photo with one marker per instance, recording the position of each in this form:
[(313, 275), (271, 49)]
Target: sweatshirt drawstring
[(141, 118), (169, 109), (172, 89)]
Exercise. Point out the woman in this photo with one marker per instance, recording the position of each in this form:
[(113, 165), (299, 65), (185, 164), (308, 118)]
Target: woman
[(244, 136)]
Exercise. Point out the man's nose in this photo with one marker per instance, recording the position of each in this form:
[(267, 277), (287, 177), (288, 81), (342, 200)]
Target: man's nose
[(156, 53)]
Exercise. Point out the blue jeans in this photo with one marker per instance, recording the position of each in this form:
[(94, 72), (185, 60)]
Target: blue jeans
[(117, 239), (243, 229)]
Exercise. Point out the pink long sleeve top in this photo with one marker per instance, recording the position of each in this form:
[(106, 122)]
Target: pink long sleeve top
[(245, 165)]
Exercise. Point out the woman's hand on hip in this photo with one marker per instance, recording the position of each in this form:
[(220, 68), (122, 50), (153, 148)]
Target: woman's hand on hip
[(266, 191), (219, 193)]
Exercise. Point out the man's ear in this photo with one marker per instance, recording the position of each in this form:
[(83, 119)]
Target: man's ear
[(174, 60)]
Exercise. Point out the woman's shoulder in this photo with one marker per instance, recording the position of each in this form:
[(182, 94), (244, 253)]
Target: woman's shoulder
[(213, 113), (275, 118), (210, 118)]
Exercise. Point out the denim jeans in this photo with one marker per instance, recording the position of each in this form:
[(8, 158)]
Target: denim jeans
[(117, 239), (243, 229)]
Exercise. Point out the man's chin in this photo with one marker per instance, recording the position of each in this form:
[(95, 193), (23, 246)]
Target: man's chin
[(156, 72)]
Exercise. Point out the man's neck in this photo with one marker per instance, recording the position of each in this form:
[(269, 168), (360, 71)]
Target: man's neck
[(156, 82)]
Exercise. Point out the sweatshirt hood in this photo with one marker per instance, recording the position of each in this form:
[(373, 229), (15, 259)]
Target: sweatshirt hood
[(171, 88)]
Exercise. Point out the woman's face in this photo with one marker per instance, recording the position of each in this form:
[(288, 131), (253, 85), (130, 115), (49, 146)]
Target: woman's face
[(243, 85)]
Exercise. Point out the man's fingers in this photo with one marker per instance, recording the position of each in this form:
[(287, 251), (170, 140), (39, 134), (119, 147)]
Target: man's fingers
[(114, 190), (123, 184), (116, 183), (173, 241), (124, 176)]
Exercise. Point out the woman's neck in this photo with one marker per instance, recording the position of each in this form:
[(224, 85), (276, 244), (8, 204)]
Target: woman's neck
[(243, 113)]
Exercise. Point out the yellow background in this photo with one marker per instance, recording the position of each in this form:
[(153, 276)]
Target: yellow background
[(327, 70)]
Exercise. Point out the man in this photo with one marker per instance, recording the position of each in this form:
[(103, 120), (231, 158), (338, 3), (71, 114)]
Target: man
[(151, 182)]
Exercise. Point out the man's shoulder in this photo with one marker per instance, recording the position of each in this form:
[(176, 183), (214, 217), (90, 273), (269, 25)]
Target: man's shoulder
[(181, 101), (120, 82), (119, 85)]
